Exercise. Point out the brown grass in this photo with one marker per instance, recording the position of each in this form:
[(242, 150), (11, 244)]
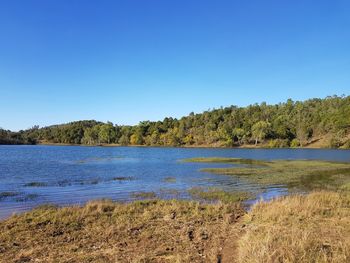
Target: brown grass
[(216, 194), (298, 228), (312, 228), (103, 231)]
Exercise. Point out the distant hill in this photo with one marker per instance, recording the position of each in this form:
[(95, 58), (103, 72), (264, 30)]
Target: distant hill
[(311, 123)]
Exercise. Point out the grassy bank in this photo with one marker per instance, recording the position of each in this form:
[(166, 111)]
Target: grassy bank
[(312, 228), (103, 231), (309, 228), (296, 228), (301, 174)]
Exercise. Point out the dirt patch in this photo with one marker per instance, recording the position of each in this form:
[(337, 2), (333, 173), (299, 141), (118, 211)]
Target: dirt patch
[(229, 252)]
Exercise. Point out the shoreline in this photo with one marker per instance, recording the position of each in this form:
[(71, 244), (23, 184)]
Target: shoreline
[(249, 146), (103, 231)]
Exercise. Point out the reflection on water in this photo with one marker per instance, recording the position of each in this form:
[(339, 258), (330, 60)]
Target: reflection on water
[(34, 175)]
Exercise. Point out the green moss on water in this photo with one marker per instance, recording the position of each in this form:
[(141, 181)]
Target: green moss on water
[(305, 174)]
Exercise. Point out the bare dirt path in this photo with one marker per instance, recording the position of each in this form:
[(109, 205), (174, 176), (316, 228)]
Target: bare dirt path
[(229, 253)]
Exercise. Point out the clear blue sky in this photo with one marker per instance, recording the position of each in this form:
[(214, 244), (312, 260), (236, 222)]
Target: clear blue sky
[(127, 61)]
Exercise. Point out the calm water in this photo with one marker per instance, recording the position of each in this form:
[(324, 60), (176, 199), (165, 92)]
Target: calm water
[(64, 175)]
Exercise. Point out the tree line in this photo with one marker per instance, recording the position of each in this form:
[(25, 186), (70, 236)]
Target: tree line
[(288, 124)]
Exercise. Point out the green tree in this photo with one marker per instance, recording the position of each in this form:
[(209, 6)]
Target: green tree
[(136, 139), (238, 135), (260, 130), (123, 140), (90, 136), (107, 133)]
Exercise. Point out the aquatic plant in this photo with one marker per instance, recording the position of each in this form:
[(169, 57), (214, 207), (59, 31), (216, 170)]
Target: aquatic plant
[(169, 179), (6, 194), (298, 174), (123, 178), (35, 184)]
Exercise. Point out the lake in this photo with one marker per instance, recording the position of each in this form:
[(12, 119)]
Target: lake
[(65, 175)]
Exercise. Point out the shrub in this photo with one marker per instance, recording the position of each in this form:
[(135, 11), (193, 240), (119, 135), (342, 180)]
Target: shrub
[(346, 144), (278, 143), (294, 143), (337, 139)]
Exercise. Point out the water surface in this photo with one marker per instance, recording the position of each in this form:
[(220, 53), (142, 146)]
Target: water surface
[(65, 175)]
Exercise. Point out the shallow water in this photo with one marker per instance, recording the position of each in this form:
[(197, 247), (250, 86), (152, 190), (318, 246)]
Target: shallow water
[(34, 175)]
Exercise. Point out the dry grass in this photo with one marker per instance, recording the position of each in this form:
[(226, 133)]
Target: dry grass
[(217, 194), (312, 228), (103, 231)]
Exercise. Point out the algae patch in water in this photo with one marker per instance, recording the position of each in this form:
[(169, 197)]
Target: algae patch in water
[(169, 180), (8, 194), (123, 178), (226, 160), (19, 196), (36, 184)]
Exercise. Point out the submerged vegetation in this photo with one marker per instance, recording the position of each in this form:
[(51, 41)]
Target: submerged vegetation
[(304, 174), (4, 195), (297, 228), (36, 184), (19, 196), (225, 160), (123, 178), (169, 179), (27, 197), (314, 122)]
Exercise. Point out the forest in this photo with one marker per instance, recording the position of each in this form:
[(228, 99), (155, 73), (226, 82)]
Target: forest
[(322, 122)]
